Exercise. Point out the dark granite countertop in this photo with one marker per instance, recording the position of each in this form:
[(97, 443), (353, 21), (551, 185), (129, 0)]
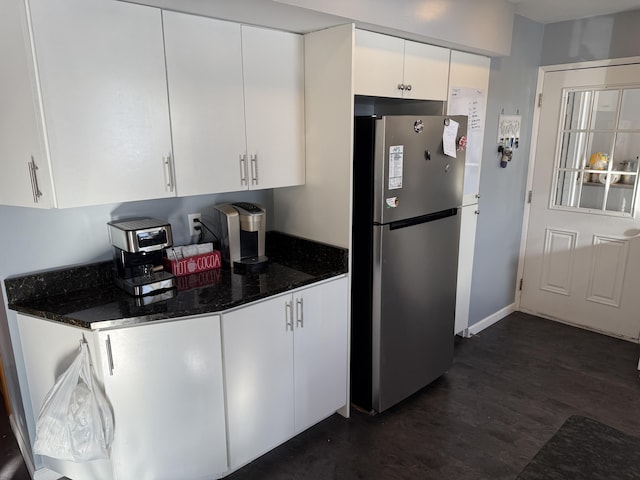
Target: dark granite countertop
[(85, 296)]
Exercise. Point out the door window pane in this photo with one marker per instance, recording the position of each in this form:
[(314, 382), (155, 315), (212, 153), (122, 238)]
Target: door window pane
[(574, 146), (578, 109), (568, 188), (601, 142), (620, 199), (592, 196), (630, 111), (627, 148), (605, 110), (599, 152)]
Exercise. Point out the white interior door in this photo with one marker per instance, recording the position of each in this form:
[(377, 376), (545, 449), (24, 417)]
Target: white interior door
[(582, 259)]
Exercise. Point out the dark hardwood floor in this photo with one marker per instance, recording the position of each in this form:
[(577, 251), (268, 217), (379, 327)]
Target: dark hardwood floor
[(12, 465), (510, 388)]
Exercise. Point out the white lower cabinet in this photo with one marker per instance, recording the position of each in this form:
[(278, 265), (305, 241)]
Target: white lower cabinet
[(320, 352), (48, 348), (284, 362), (468, 223), (285, 367), (164, 381), (258, 359)]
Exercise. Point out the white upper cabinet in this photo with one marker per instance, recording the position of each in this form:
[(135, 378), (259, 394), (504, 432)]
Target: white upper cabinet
[(274, 106), (237, 105), (387, 66), (103, 85), (204, 71), (426, 71), (25, 178)]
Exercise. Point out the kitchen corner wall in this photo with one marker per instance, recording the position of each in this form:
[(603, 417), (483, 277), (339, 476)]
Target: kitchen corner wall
[(512, 87)]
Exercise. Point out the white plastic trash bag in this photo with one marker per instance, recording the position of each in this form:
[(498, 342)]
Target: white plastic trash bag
[(76, 421)]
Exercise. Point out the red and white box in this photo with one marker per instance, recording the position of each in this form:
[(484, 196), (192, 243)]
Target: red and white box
[(194, 264)]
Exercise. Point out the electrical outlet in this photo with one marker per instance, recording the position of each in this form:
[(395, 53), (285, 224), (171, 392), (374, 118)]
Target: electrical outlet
[(192, 217)]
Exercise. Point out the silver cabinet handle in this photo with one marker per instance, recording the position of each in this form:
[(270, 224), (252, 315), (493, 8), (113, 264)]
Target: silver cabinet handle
[(477, 195), (401, 86), (477, 212), (33, 175), (168, 172), (109, 355), (408, 88), (254, 169), (300, 312), (243, 169), (288, 314)]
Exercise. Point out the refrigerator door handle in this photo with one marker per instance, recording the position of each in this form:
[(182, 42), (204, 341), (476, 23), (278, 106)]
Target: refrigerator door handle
[(431, 217)]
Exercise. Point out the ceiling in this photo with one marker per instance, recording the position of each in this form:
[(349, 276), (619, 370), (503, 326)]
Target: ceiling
[(550, 11)]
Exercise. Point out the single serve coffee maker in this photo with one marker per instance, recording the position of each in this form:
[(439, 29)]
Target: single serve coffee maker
[(241, 227), (138, 248)]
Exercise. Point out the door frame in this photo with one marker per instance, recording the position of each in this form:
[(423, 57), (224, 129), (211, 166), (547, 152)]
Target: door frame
[(534, 143)]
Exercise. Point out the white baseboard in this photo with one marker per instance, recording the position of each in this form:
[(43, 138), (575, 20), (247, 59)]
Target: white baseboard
[(491, 319)]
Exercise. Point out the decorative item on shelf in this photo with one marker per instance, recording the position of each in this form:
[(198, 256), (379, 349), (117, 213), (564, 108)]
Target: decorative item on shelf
[(602, 178), (190, 259), (598, 161)]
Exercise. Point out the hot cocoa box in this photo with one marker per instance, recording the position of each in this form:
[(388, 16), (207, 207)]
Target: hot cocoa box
[(195, 264)]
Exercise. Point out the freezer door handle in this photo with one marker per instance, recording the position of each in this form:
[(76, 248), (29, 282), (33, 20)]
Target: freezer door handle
[(431, 217)]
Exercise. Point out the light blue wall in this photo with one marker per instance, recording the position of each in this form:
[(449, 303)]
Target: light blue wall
[(512, 87), (595, 38)]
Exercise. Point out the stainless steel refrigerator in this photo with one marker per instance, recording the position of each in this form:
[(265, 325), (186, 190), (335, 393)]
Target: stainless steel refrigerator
[(406, 227)]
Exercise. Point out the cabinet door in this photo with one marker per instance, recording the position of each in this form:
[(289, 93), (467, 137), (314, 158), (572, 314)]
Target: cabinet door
[(468, 223), (258, 358), (274, 106), (468, 88), (378, 64), (21, 144), (164, 381), (426, 71), (48, 349), (320, 348), (204, 71), (103, 82)]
